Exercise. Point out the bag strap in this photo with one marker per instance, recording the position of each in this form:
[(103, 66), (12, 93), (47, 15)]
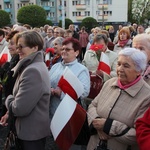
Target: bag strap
[(12, 119), (126, 129)]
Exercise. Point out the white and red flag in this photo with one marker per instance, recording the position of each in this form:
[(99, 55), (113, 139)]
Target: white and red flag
[(5, 56), (66, 130), (104, 63), (70, 84)]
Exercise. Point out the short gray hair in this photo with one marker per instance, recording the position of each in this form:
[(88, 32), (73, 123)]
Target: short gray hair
[(139, 57), (59, 40)]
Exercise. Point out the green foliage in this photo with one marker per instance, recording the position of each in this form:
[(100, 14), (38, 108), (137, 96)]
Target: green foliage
[(49, 22), (89, 23), (67, 23), (4, 18), (33, 15)]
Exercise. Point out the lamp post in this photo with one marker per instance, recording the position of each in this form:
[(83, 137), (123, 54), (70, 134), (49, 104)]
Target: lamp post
[(63, 15), (102, 16)]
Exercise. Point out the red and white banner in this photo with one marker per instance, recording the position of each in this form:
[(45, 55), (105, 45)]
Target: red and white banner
[(66, 130), (70, 84), (5, 56), (104, 63)]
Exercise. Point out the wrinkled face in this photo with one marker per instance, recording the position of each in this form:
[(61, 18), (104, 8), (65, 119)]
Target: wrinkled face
[(68, 54), (12, 47), (142, 45), (23, 50), (57, 47), (126, 70), (123, 36)]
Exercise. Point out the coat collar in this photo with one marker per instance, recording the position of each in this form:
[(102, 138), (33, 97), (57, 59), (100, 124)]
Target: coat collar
[(23, 63), (133, 90)]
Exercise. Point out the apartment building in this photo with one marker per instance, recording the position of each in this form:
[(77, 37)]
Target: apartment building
[(104, 11)]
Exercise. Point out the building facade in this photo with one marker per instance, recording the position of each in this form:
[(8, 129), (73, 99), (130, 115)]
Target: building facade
[(104, 11)]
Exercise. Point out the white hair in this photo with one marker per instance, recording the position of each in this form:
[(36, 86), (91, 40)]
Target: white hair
[(139, 57), (147, 31)]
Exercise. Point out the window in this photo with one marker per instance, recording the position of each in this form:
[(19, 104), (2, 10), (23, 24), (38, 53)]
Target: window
[(74, 3), (76, 13), (87, 2), (87, 13), (105, 1)]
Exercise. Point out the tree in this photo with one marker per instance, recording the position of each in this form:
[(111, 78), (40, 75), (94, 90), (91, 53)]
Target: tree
[(4, 18), (67, 23), (89, 23), (49, 22), (33, 15), (140, 10)]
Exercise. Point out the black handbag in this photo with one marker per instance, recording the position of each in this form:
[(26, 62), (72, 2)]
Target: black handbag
[(102, 145), (12, 141)]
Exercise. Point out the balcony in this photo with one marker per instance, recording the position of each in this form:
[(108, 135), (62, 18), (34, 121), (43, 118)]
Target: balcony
[(47, 8), (81, 7), (80, 18), (102, 18), (104, 7), (6, 1), (8, 10)]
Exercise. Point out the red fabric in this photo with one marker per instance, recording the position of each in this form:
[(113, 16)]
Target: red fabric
[(67, 88), (128, 85), (104, 67), (50, 50), (122, 43), (143, 131), (72, 129), (96, 47), (3, 59)]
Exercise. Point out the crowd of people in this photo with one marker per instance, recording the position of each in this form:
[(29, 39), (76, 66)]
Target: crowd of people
[(118, 116)]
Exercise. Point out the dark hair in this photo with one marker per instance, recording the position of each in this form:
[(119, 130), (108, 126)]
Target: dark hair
[(32, 38), (2, 32), (11, 35), (75, 43), (99, 37)]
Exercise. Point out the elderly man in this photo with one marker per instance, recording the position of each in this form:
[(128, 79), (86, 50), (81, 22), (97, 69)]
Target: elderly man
[(142, 42)]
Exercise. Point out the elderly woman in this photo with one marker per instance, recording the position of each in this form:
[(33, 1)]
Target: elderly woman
[(57, 45), (70, 51), (92, 57), (142, 42), (31, 94), (122, 100), (124, 40)]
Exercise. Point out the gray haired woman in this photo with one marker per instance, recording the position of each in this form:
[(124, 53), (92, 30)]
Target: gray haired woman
[(122, 100)]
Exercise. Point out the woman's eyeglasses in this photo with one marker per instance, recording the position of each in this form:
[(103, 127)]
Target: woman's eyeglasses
[(20, 47), (66, 49)]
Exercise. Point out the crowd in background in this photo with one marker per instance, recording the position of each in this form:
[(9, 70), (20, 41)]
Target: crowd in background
[(38, 57)]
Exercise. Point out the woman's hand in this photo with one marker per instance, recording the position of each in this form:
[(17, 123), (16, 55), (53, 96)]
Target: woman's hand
[(98, 123), (102, 135), (4, 119), (56, 91)]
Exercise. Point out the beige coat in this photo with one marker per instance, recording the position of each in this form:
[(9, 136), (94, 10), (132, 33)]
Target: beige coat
[(91, 62), (129, 105)]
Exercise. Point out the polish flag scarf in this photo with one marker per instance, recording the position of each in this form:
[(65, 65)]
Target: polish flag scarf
[(4, 56), (67, 122), (104, 63), (70, 84)]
